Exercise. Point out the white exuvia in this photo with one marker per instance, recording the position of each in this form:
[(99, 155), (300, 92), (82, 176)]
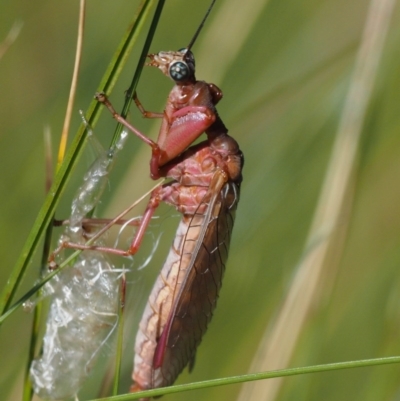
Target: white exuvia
[(84, 300), (83, 313)]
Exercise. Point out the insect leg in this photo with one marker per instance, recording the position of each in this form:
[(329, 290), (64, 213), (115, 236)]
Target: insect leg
[(102, 98), (155, 148), (155, 199), (145, 113)]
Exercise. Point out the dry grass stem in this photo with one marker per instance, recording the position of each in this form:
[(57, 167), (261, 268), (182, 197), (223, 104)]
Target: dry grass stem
[(278, 343), (74, 83)]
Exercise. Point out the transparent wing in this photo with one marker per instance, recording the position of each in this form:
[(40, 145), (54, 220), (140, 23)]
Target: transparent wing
[(197, 295)]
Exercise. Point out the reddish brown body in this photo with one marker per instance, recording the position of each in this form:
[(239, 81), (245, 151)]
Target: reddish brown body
[(204, 187), (184, 296)]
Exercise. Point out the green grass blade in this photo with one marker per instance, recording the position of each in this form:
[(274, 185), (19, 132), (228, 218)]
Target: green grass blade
[(120, 337), (45, 214), (254, 377), (128, 101), (132, 88)]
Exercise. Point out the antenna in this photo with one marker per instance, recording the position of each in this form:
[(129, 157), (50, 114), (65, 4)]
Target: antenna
[(200, 26)]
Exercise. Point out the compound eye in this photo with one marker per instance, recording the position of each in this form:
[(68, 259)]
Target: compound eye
[(179, 71)]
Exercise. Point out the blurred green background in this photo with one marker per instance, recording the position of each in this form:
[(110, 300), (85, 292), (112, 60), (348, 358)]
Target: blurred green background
[(284, 71)]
